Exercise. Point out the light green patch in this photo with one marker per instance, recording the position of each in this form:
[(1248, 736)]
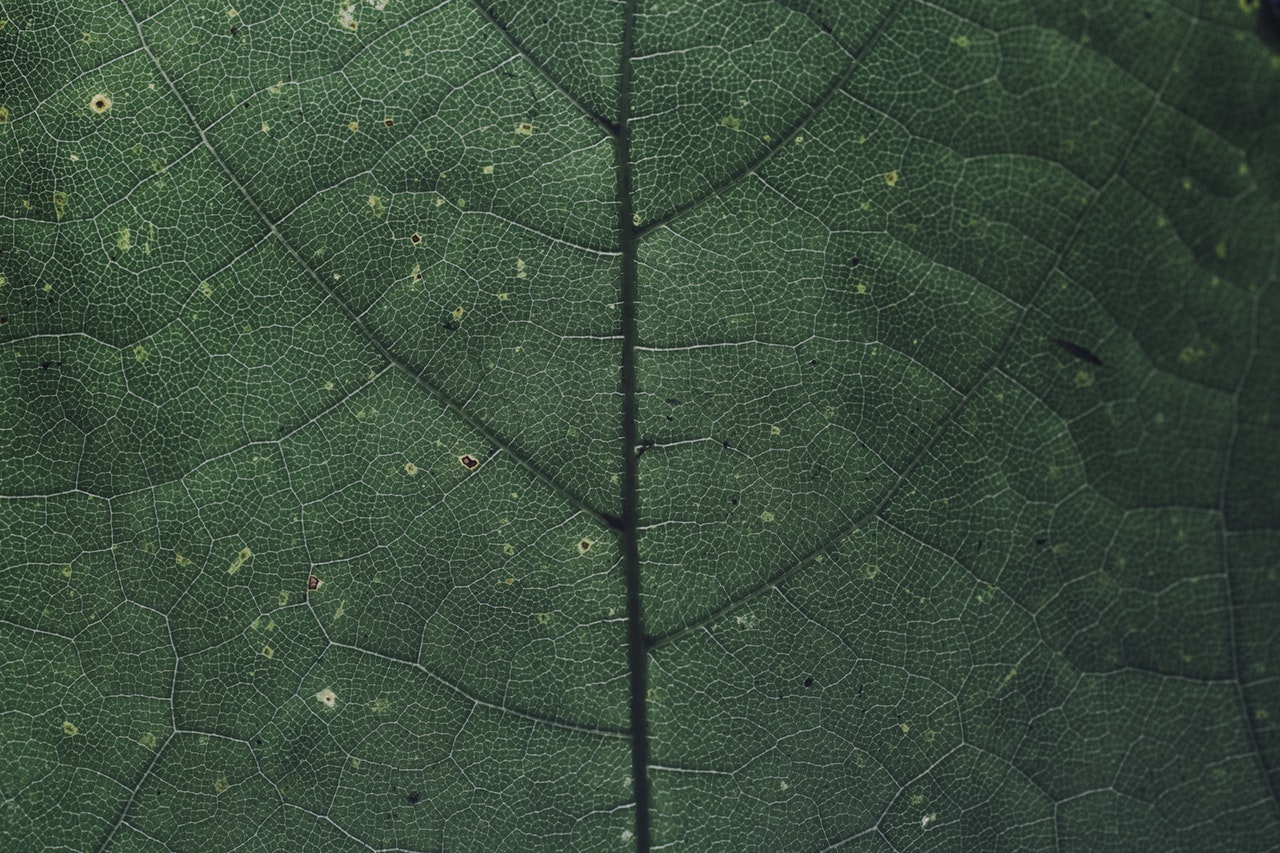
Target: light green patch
[(69, 728), (59, 203), (731, 122), (767, 516), (544, 618), (1083, 379), (124, 239), (141, 353), (961, 41), (240, 559), (1191, 354), (283, 598), (148, 740), (220, 785)]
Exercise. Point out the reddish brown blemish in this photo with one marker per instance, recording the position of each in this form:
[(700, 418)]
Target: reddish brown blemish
[(313, 582), (469, 462)]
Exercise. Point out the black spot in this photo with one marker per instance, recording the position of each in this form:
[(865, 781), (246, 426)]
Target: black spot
[(812, 362), (1079, 351), (46, 365), (1040, 540), (733, 501), (449, 325), (413, 798), (235, 31), (725, 445), (853, 262), (808, 682), (1147, 15)]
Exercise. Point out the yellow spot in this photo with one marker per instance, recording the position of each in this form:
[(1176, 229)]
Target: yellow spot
[(1084, 379), (268, 652), (221, 784), (510, 581), (124, 239), (59, 203), (266, 128), (891, 178), (439, 202), (353, 126), (276, 88), (328, 386), (100, 103), (148, 740), (862, 288), (488, 170), (66, 570), (206, 289), (410, 469), (504, 297), (509, 549), (521, 272), (240, 560), (376, 205), (457, 313), (960, 42), (4, 115), (1191, 354), (524, 128), (904, 727), (69, 728), (731, 122), (544, 618), (1220, 250), (181, 560), (327, 697), (283, 598), (231, 13), (775, 430), (140, 353), (767, 516), (635, 219), (347, 17)]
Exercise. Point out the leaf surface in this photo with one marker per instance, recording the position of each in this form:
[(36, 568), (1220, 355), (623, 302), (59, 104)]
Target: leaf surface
[(730, 425)]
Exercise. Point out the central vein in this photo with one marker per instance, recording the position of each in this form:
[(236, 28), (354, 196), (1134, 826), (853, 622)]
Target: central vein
[(637, 657)]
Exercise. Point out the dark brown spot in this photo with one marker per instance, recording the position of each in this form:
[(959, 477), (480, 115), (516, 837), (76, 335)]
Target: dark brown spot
[(415, 238), (469, 462), (388, 122), (584, 546)]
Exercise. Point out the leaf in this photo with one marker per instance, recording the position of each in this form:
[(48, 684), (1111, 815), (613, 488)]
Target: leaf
[(769, 425)]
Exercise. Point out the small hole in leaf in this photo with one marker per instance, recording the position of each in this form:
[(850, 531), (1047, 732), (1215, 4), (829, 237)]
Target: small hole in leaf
[(469, 462)]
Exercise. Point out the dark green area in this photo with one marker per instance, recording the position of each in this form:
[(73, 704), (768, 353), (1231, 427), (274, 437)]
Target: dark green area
[(718, 426)]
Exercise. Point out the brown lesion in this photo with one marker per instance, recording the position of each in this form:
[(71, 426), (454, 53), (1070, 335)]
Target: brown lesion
[(469, 462), (313, 582)]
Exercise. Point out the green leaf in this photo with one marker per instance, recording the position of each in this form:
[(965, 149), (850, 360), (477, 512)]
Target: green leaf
[(744, 425)]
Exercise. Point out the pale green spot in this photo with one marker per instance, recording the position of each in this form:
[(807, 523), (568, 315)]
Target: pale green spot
[(240, 560), (767, 516), (731, 122), (124, 240), (220, 785), (69, 728), (148, 740), (1084, 379), (140, 353)]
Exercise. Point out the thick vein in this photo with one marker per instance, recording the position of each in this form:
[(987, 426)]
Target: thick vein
[(992, 369), (599, 120), (363, 329), (1251, 732), (637, 654), (836, 85)]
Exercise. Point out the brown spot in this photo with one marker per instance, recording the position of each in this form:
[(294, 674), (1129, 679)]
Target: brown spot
[(584, 545), (388, 122), (313, 582), (469, 462)]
